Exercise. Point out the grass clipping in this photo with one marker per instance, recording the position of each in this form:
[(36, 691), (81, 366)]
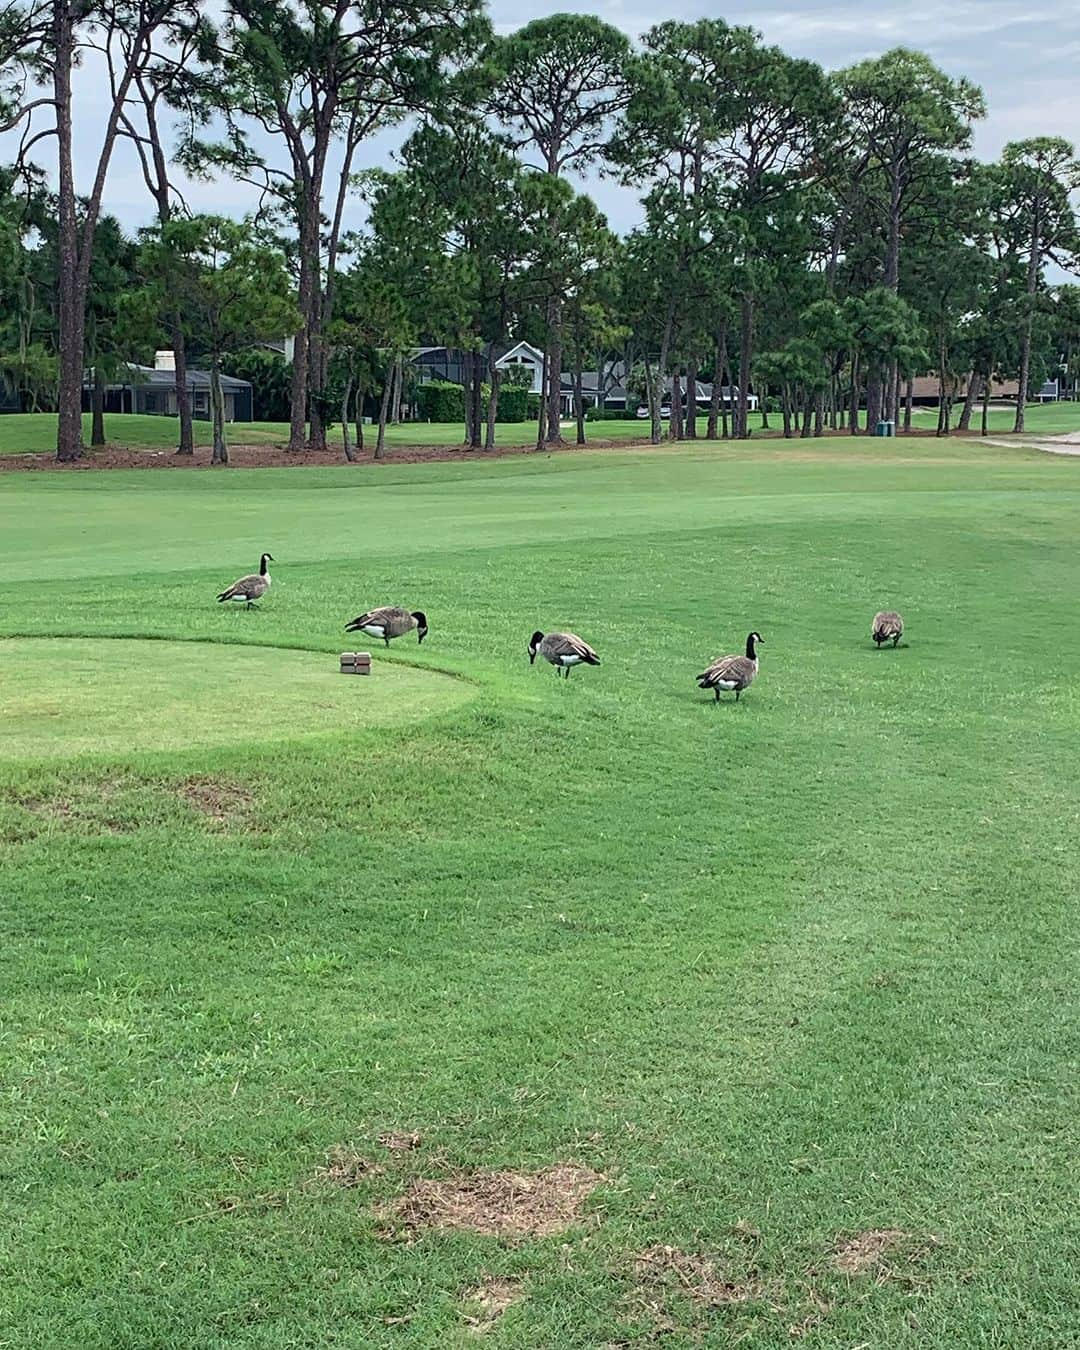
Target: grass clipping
[(497, 1204)]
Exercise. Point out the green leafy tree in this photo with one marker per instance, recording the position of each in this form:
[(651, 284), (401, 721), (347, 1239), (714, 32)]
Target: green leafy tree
[(556, 85), (231, 288)]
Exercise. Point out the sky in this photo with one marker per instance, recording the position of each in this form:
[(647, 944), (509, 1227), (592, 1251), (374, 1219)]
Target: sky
[(1025, 66)]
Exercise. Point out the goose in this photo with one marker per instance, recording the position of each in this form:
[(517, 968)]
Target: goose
[(250, 588), (390, 621), (563, 650), (733, 672), (887, 624)]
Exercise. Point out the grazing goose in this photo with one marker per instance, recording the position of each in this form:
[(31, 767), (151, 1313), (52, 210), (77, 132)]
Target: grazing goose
[(887, 624), (732, 672), (390, 621), (250, 588), (563, 650)]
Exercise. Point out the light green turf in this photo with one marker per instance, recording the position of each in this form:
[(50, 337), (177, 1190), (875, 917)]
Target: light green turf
[(34, 433), (71, 696), (783, 972)]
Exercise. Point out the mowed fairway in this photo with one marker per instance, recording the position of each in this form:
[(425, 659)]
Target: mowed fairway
[(797, 976)]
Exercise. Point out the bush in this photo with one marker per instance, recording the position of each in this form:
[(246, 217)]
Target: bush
[(532, 408), (439, 401), (513, 404), (609, 415)]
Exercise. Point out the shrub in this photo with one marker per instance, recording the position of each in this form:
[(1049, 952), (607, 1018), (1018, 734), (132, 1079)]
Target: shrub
[(439, 401), (609, 415), (513, 404)]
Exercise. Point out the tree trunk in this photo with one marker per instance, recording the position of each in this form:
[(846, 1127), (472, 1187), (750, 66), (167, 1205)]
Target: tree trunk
[(652, 394), (217, 408), (819, 413), (541, 421), (973, 384), (986, 404), (358, 415), (70, 310), (346, 433), (746, 347), (786, 410), (807, 409), (675, 422), (579, 396), (476, 400), (305, 296), (853, 411), (316, 439), (763, 403), (399, 385), (873, 400), (183, 397), (909, 398), (97, 429), (495, 376), (717, 387), (384, 407), (1029, 320), (554, 393), (690, 416)]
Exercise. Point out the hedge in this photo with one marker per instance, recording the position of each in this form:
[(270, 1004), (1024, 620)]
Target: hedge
[(439, 401)]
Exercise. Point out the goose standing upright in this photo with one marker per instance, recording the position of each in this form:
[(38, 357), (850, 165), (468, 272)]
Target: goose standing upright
[(733, 672), (887, 625), (390, 621), (563, 650), (252, 587)]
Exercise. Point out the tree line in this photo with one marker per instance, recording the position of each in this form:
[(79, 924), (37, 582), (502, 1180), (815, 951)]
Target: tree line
[(821, 238)]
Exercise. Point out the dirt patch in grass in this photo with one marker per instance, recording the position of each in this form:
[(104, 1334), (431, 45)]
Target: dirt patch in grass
[(277, 457), (485, 1304), (346, 1168), (698, 1277), (90, 808), (214, 797), (867, 1251), (505, 1204), (401, 1141)]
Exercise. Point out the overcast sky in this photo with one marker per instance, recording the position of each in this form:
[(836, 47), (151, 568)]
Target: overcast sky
[(1026, 67)]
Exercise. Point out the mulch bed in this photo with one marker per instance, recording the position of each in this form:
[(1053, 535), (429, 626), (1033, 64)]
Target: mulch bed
[(276, 457)]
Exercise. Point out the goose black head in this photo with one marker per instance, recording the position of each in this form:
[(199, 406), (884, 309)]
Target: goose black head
[(534, 643), (421, 625), (752, 640), (266, 557)]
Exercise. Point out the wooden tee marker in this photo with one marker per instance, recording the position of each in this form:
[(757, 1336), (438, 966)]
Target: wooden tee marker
[(356, 663)]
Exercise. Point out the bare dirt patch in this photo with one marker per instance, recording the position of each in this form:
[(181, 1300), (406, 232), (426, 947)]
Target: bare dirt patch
[(507, 1204), (698, 1276), (485, 1304), (93, 807), (866, 1251), (401, 1141), (214, 797), (346, 1168)]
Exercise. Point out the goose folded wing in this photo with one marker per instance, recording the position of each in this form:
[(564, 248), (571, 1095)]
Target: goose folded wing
[(571, 645), (726, 669), (242, 587)]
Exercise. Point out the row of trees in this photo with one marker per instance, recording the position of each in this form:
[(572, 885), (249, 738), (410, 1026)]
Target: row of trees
[(824, 237)]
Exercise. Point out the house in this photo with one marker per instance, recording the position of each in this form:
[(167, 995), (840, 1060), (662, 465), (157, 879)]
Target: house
[(448, 363), (617, 397), (152, 390)]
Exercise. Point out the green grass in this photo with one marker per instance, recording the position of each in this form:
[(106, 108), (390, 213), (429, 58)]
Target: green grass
[(34, 433), (168, 695), (1040, 419), (806, 964)]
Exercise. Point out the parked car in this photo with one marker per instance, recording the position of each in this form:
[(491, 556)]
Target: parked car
[(665, 411)]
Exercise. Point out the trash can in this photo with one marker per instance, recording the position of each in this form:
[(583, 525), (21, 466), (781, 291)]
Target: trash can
[(886, 429)]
